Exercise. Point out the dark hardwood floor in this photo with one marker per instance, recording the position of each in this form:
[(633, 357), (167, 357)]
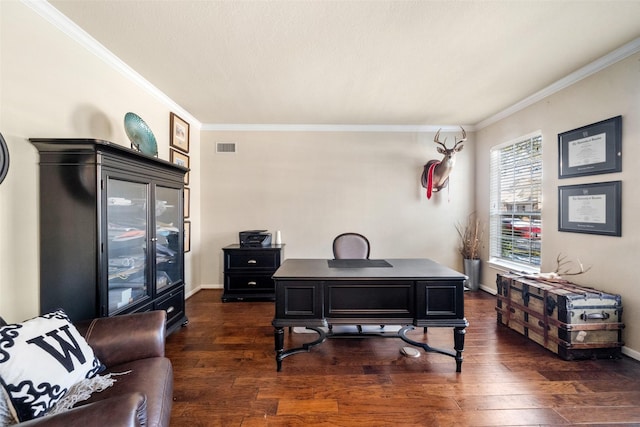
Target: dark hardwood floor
[(225, 375)]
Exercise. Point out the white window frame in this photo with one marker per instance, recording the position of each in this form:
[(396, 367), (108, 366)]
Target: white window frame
[(523, 186)]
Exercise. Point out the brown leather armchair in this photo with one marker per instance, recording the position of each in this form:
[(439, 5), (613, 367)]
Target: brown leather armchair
[(143, 396)]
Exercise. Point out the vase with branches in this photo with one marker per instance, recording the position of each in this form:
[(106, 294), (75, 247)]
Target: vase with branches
[(470, 237), (470, 243)]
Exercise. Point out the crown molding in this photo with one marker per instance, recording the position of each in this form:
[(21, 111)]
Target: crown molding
[(598, 65), (330, 128), (71, 29)]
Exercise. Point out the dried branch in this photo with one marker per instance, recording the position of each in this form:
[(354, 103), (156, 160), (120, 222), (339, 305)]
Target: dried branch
[(470, 237)]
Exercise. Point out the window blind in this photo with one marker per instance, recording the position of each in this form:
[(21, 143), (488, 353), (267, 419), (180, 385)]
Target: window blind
[(515, 231)]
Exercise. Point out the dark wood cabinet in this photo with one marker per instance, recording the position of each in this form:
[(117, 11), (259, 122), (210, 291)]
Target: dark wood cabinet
[(248, 271), (111, 231)]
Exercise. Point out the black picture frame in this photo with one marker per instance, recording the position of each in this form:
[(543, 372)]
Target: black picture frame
[(591, 150), (591, 208)]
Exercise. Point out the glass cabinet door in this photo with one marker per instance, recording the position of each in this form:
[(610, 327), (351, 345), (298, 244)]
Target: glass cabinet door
[(127, 219), (168, 237)]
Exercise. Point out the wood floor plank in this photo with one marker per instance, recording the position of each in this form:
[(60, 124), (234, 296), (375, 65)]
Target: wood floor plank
[(503, 417), (600, 414), (612, 399), (499, 388), (397, 405), (225, 375), (509, 401), (306, 406)]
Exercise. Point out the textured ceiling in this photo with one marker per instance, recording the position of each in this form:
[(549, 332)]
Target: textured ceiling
[(354, 62)]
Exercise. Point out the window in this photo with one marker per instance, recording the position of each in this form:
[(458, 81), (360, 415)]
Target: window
[(515, 231)]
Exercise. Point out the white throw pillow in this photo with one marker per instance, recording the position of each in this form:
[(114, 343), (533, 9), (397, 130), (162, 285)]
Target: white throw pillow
[(40, 359)]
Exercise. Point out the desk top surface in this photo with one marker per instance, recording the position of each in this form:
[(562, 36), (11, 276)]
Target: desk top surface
[(410, 268)]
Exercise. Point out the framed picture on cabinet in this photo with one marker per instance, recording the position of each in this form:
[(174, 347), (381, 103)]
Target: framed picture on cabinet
[(591, 150), (187, 236), (590, 208), (179, 133), (180, 159), (187, 201)]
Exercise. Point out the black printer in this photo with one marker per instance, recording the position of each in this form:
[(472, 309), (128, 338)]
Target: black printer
[(255, 238)]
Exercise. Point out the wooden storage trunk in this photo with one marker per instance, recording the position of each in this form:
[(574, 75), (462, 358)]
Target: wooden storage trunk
[(574, 322)]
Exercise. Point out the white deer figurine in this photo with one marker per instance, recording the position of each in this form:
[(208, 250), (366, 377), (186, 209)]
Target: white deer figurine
[(435, 175)]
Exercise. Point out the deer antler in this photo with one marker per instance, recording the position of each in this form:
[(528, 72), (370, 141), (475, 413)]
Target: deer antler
[(436, 139), (561, 262), (463, 139)]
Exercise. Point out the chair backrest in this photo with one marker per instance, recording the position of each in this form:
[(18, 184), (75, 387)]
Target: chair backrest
[(351, 246)]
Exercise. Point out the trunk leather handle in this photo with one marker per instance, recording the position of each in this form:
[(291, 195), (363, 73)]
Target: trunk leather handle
[(594, 316)]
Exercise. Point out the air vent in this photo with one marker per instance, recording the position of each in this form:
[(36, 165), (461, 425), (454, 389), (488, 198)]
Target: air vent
[(225, 147)]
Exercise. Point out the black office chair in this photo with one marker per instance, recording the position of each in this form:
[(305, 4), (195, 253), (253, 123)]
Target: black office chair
[(351, 246)]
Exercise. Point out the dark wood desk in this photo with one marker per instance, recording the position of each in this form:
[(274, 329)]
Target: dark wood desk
[(410, 292)]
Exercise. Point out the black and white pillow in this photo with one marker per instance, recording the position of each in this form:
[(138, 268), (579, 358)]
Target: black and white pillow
[(40, 359)]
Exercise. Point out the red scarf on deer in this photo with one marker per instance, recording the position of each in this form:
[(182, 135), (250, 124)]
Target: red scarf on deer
[(430, 178)]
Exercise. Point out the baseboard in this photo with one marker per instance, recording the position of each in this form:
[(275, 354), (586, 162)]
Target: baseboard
[(201, 287), (631, 353), (211, 286), (484, 288), (489, 290)]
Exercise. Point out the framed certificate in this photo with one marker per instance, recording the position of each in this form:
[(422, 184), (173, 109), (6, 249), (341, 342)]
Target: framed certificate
[(590, 208), (591, 150)]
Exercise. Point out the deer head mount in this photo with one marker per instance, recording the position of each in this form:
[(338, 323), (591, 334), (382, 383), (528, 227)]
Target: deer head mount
[(435, 175)]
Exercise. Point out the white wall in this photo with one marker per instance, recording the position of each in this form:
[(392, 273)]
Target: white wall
[(51, 86), (315, 185), (613, 260)]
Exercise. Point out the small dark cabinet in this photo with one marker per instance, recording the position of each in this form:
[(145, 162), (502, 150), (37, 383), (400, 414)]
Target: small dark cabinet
[(248, 271), (111, 231)]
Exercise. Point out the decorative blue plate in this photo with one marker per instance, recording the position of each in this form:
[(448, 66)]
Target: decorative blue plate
[(141, 137)]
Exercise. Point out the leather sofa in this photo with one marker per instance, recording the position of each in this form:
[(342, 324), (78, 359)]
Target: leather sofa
[(132, 343)]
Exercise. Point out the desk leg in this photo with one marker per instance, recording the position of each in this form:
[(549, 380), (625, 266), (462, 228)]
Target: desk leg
[(278, 336), (458, 346), (458, 340), (279, 341)]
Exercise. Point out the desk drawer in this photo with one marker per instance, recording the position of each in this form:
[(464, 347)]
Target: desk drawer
[(377, 300), (248, 282), (252, 260)]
